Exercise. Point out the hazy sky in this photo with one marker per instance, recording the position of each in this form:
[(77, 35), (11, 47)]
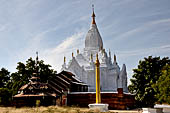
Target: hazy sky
[(132, 29)]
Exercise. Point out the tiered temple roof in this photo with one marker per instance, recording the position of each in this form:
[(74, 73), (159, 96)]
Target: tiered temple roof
[(49, 92)]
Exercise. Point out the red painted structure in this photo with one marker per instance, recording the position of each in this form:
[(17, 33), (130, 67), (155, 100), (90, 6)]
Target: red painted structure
[(116, 100)]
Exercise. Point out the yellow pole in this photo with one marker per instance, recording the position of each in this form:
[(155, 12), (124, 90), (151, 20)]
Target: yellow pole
[(98, 96)]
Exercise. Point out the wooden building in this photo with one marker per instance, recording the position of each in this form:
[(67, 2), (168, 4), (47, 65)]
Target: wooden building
[(66, 82), (36, 92), (51, 93)]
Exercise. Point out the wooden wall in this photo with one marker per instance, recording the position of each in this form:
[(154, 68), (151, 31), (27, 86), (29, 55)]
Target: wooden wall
[(31, 101), (115, 100)]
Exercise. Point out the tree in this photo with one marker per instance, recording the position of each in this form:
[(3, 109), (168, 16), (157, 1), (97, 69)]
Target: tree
[(5, 96), (143, 79), (5, 93), (26, 71), (162, 86), (4, 77)]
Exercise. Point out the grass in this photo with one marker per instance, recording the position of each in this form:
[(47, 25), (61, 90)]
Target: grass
[(50, 109), (57, 109)]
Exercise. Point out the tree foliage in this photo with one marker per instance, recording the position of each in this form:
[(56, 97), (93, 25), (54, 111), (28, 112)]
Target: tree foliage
[(5, 96), (5, 93), (162, 86), (26, 71), (10, 83), (145, 76), (4, 77)]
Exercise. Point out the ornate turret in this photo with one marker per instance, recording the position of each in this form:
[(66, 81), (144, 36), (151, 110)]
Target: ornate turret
[(36, 71), (93, 41), (35, 77), (77, 51), (115, 62), (123, 79), (64, 64), (72, 54)]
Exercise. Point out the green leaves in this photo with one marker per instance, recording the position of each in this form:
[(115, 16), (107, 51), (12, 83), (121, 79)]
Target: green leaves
[(4, 77), (5, 96), (25, 72), (145, 76), (11, 83), (163, 86)]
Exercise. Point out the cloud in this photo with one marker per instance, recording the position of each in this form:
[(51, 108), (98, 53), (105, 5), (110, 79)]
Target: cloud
[(69, 43), (3, 27), (42, 34), (33, 44), (145, 51), (54, 56), (142, 28)]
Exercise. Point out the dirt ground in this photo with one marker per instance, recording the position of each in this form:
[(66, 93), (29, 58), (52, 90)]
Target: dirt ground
[(56, 109)]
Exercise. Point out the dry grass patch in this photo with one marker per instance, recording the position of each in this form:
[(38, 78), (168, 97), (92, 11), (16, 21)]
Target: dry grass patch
[(50, 109)]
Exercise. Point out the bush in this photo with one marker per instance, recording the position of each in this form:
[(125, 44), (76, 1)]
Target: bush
[(5, 96)]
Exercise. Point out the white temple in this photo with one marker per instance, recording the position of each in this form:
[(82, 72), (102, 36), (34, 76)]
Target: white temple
[(82, 64)]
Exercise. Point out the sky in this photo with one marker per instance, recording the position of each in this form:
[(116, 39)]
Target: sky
[(131, 29)]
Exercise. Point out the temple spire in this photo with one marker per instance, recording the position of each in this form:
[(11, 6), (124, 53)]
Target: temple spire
[(93, 16), (37, 56), (36, 65)]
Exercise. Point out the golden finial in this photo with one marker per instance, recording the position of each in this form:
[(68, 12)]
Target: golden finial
[(97, 60), (72, 54), (93, 15), (64, 59), (114, 58), (77, 51)]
